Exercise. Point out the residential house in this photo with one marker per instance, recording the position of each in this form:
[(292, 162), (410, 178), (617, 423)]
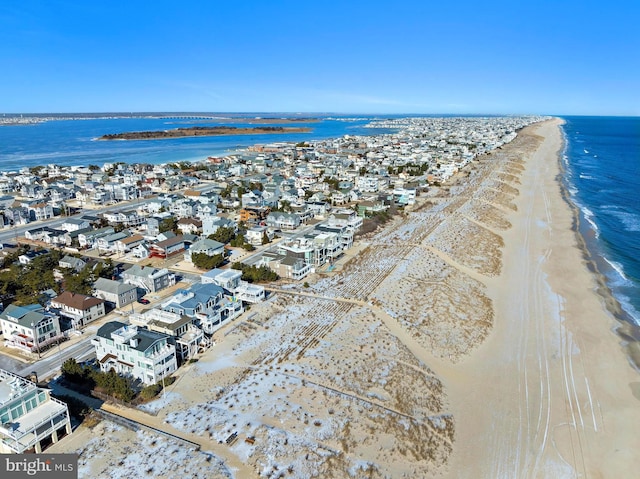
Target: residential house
[(207, 303), (254, 214), (75, 224), (229, 280), (46, 235), (207, 210), (255, 235), (135, 352), (210, 224), (29, 256), (29, 416), (71, 262), (345, 217), (40, 211), (370, 207), (115, 292), (283, 221), (184, 208), (32, 191), (107, 244), (148, 278), (404, 196), (90, 238), (188, 338), (127, 218), (167, 248), (290, 267), (29, 328), (80, 308), (343, 232), (204, 246), (127, 244), (190, 226)]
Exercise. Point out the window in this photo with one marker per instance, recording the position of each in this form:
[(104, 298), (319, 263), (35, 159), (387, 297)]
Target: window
[(17, 412)]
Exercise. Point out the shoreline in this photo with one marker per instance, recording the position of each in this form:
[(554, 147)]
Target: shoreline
[(625, 328), (197, 132)]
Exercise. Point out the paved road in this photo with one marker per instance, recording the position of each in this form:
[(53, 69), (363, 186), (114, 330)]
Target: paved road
[(50, 366)]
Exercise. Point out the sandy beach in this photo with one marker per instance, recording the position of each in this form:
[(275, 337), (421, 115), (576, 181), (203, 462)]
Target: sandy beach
[(553, 389), (465, 339)]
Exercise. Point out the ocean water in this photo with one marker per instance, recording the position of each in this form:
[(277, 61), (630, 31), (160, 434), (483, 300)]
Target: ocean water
[(72, 142), (602, 175)]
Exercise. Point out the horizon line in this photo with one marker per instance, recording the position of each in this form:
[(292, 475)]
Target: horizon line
[(160, 112)]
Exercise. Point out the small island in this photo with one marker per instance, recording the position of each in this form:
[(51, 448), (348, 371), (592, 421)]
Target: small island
[(201, 131)]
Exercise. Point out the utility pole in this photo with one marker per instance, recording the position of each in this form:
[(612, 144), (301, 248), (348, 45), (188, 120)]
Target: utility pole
[(35, 337)]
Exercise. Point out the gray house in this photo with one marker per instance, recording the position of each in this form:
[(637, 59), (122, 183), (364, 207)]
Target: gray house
[(73, 263), (148, 278), (115, 292)]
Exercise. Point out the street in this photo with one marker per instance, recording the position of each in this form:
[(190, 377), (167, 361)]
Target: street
[(49, 366)]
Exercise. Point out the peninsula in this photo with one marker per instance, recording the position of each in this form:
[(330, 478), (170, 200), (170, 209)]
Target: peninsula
[(201, 131)]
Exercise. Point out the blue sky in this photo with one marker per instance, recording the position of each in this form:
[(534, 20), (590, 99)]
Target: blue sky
[(560, 57)]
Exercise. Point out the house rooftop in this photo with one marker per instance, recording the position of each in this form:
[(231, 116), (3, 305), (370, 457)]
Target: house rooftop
[(77, 301), (110, 286), (115, 330)]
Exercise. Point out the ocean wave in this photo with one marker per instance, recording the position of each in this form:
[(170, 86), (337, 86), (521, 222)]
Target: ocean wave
[(587, 177), (618, 268), (587, 212), (630, 221), (588, 215)]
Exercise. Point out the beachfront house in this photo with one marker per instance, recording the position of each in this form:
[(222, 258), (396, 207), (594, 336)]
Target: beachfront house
[(229, 280), (189, 339), (136, 352), (207, 303)]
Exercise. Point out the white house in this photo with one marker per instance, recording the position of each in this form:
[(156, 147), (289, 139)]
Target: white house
[(189, 338), (149, 278), (75, 224), (29, 328), (135, 352), (229, 280), (206, 246)]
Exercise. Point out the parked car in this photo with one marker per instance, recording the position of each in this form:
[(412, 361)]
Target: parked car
[(143, 301)]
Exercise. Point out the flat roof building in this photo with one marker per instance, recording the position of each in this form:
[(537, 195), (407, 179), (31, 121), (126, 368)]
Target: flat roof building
[(29, 415)]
